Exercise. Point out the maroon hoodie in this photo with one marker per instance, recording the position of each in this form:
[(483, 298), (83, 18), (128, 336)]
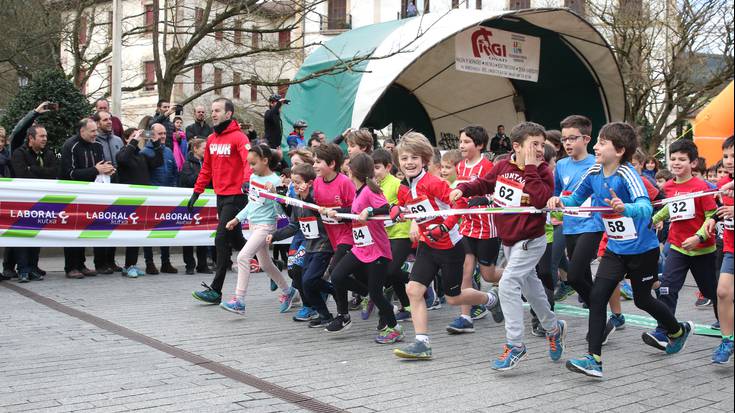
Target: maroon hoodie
[(512, 187)]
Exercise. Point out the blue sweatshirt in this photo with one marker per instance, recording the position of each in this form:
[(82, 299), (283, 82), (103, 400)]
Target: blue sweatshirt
[(567, 176)]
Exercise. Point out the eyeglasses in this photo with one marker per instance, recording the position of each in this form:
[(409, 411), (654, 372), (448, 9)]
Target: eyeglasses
[(572, 138)]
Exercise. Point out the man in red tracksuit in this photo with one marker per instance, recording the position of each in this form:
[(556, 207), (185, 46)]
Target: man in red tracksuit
[(226, 166)]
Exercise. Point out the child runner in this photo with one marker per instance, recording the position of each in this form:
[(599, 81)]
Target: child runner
[(261, 215), (480, 240), (450, 160), (692, 247), (440, 245), (318, 248), (723, 353), (400, 243), (523, 180), (369, 256), (632, 248)]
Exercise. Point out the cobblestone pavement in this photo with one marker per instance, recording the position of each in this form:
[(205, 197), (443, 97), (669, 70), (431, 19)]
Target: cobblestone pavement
[(110, 344)]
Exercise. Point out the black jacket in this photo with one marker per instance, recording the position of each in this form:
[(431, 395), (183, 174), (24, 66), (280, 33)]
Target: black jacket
[(166, 122), (190, 171), (20, 131), (5, 163), (273, 128), (29, 164), (78, 159), (135, 168), (500, 144), (195, 129)]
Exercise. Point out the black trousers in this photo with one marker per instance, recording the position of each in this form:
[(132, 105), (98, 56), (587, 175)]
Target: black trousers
[(581, 250), (131, 256), (73, 258), (225, 240), (398, 278), (104, 257), (9, 260), (201, 260)]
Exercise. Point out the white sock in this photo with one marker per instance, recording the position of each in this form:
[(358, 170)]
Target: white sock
[(466, 317), (491, 299), (423, 338)]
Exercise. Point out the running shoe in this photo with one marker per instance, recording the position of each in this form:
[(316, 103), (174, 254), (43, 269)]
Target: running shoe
[(355, 303), (418, 350), (656, 339), (403, 315), (23, 277), (254, 266), (723, 352), (586, 365), (536, 328), (208, 295), (366, 308), (131, 272), (340, 323), (430, 297), (287, 299), (496, 310), (614, 323), (563, 291), (320, 322), (702, 302), (557, 341), (461, 325), (273, 286), (715, 325), (626, 291), (234, 306), (510, 358), (390, 335), (306, 314), (479, 312), (677, 344)]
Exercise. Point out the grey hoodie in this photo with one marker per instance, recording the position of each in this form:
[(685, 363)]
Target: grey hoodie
[(111, 145)]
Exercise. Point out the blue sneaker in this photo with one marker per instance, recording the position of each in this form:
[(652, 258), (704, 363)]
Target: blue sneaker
[(403, 315), (557, 341), (460, 325), (208, 295), (677, 344), (510, 358), (563, 291), (418, 350), (273, 286), (656, 339), (287, 299), (723, 352), (626, 291), (614, 323), (585, 365), (430, 297), (715, 325), (234, 306), (306, 314), (478, 312), (130, 272)]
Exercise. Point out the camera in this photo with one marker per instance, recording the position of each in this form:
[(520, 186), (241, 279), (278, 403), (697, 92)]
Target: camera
[(179, 109), (282, 190), (52, 106)]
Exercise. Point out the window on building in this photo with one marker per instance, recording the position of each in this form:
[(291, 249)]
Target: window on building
[(336, 14), (218, 33), (455, 4), (256, 38), (198, 17), (198, 78), (282, 89), (237, 33), (217, 80), (236, 85), (149, 19), (82, 35), (284, 39), (150, 75), (427, 6), (253, 90), (478, 4), (576, 5), (519, 4)]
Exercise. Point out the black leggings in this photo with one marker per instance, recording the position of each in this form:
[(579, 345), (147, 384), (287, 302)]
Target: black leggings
[(543, 270), (401, 248), (346, 277), (581, 250)]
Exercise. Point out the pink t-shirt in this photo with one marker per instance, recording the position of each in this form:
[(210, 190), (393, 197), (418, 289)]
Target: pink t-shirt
[(370, 241), (340, 192)]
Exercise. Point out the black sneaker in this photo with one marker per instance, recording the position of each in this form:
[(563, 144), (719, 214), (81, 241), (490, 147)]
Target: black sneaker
[(40, 271), (104, 270), (320, 322), (114, 266), (23, 277), (167, 268), (204, 270), (355, 303), (34, 276), (536, 328), (340, 323), (9, 274), (189, 271)]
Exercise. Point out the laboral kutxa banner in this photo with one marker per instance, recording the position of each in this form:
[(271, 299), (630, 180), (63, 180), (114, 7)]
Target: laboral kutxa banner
[(48, 213), (496, 52)]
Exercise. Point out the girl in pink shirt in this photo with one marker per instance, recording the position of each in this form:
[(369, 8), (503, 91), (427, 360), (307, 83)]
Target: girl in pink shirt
[(367, 262)]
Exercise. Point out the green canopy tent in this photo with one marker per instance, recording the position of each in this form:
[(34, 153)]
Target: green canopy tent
[(411, 80)]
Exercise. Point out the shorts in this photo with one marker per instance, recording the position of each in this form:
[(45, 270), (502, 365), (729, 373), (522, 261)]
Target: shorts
[(638, 266), (429, 261), (727, 265), (485, 250)]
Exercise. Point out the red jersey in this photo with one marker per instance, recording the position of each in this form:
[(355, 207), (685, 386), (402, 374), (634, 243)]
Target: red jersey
[(475, 226), (339, 193), (727, 233), (514, 187), (427, 193), (225, 162), (686, 217)]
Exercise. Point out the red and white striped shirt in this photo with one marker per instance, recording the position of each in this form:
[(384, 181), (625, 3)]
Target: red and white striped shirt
[(475, 226)]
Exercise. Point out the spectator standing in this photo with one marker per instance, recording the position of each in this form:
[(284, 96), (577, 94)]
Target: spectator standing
[(164, 110), (500, 143), (295, 139), (272, 121), (200, 127), (187, 179), (249, 131), (102, 105), (82, 159), (20, 131), (34, 161), (181, 143), (165, 175), (4, 155), (135, 168)]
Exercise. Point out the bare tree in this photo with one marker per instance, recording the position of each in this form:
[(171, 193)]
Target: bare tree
[(674, 56)]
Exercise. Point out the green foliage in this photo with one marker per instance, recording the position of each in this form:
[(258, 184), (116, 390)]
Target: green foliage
[(52, 86)]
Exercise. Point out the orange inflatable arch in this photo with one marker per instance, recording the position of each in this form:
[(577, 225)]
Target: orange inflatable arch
[(714, 124)]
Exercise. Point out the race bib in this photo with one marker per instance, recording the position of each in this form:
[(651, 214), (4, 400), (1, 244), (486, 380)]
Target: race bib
[(309, 227), (361, 235), (254, 193), (681, 210), (419, 206), (619, 228), (586, 203), (508, 193)]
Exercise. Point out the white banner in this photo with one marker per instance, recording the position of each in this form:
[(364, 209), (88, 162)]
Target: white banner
[(497, 52)]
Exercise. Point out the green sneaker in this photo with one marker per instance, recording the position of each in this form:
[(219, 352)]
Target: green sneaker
[(208, 296), (418, 350)]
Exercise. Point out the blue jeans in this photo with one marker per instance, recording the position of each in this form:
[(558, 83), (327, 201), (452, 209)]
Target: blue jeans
[(315, 264), (27, 258)]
